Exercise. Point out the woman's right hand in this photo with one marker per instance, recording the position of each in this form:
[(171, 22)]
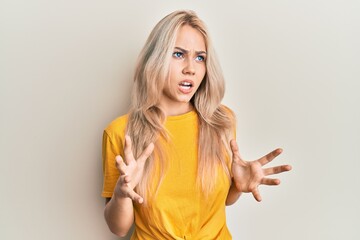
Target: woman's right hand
[(131, 171)]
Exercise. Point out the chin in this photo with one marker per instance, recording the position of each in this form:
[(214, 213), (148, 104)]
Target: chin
[(187, 100)]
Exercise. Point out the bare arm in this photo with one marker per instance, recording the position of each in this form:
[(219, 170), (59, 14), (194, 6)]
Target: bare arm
[(119, 211), (119, 215), (233, 195)]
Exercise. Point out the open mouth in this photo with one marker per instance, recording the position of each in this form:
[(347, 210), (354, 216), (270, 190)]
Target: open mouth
[(185, 85)]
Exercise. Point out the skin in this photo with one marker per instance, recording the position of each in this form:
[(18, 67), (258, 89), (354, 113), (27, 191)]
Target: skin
[(249, 175), (187, 70), (119, 213), (187, 66)]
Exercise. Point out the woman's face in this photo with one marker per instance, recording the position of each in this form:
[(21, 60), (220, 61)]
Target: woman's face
[(187, 70)]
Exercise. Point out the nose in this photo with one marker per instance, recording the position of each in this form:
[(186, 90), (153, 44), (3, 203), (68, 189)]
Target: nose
[(189, 67)]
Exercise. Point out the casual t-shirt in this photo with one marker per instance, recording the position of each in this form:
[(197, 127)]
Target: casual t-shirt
[(179, 210)]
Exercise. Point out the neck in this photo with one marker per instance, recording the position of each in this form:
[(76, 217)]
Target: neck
[(177, 110)]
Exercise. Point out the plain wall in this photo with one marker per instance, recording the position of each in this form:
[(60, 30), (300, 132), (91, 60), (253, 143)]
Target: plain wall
[(293, 79)]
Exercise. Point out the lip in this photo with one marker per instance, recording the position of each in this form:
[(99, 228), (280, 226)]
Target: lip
[(186, 90)]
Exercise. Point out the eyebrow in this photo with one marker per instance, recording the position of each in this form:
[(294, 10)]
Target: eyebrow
[(187, 51)]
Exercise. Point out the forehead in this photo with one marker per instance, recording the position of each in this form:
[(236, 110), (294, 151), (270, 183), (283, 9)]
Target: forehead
[(190, 38)]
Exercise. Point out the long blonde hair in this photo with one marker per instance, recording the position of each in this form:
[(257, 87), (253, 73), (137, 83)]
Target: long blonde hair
[(145, 123)]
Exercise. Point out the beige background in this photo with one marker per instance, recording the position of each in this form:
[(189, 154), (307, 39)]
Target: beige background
[(293, 78)]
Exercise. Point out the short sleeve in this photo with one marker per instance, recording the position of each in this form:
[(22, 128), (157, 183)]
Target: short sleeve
[(110, 149)]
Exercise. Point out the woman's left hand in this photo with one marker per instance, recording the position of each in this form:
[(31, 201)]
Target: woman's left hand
[(248, 175)]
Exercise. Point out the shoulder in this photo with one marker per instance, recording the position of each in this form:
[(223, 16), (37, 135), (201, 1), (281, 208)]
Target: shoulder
[(230, 118), (227, 111), (116, 128)]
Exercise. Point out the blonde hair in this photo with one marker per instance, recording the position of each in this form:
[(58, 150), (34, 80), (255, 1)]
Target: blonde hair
[(145, 124)]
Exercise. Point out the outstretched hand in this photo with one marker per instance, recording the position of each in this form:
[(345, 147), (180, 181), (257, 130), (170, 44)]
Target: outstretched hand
[(248, 175), (131, 171)]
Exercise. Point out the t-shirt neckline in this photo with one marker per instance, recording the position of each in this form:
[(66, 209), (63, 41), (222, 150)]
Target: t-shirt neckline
[(181, 116)]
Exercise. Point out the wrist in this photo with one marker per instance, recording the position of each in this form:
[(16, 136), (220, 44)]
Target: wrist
[(120, 197), (234, 188)]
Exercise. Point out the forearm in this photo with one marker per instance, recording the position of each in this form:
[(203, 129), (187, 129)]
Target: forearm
[(233, 195), (119, 215)]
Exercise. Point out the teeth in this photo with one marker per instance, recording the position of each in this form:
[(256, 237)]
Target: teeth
[(185, 87), (185, 84)]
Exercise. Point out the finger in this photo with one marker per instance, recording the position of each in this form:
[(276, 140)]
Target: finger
[(129, 156), (270, 156), (235, 150), (127, 190), (256, 194), (125, 180), (277, 169), (135, 197), (146, 153), (120, 165), (270, 181)]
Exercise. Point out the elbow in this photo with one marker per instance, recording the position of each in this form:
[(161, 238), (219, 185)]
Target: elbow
[(117, 228), (119, 233), (118, 223)]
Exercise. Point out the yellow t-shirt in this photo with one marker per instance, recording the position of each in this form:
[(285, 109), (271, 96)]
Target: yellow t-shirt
[(180, 210)]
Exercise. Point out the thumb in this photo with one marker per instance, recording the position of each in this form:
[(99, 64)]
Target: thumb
[(235, 149), (256, 194), (135, 197)]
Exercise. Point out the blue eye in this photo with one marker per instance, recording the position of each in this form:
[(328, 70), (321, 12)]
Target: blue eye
[(200, 58), (178, 54)]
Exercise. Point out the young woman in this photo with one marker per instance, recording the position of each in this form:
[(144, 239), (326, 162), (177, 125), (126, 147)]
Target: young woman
[(171, 165)]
